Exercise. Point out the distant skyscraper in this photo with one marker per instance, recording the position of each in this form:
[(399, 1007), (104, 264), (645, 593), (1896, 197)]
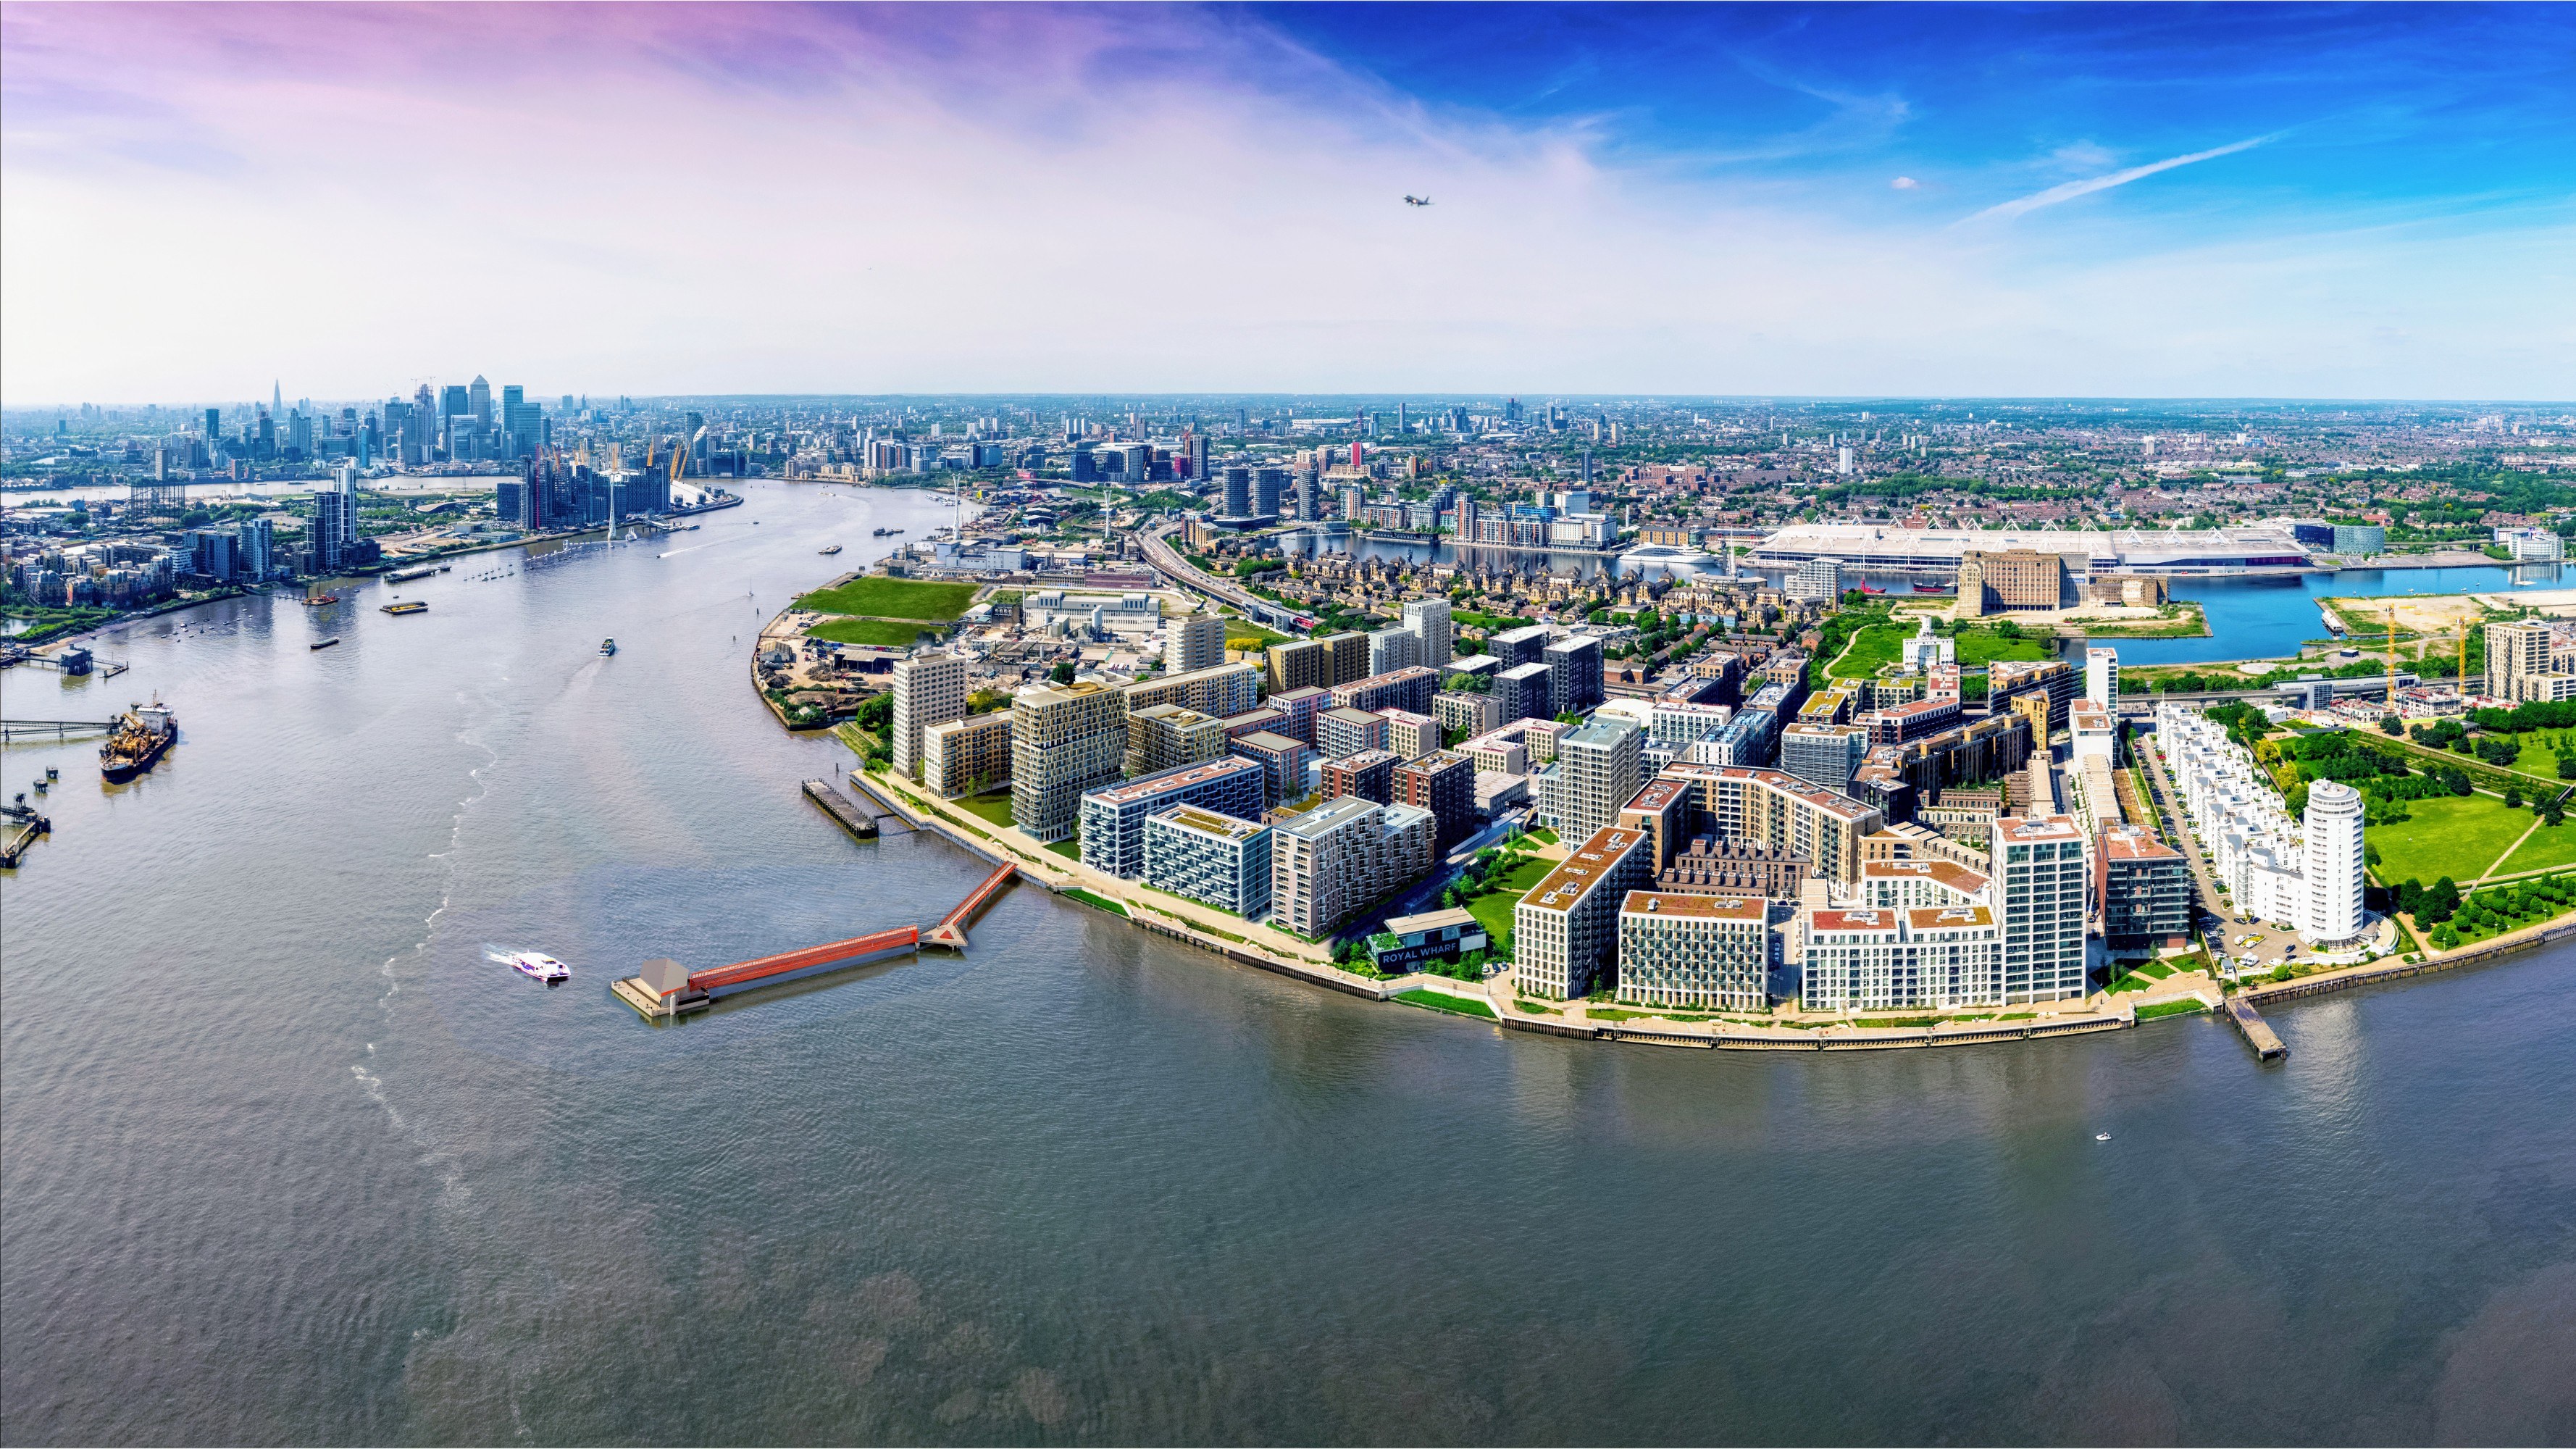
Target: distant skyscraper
[(479, 401)]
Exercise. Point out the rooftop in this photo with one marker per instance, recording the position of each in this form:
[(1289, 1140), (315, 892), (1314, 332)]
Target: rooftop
[(1949, 873), (1208, 822), (1719, 908), (1429, 921), (1580, 871), (1146, 787), (1948, 918)]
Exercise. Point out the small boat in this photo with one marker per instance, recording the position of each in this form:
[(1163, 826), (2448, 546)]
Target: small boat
[(323, 643), (407, 606), (319, 599), (836, 548), (1866, 589), (540, 965), (607, 646), (880, 533), (1932, 588), (2101, 1136)]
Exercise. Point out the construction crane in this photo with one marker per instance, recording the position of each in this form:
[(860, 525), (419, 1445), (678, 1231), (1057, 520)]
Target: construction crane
[(2392, 659)]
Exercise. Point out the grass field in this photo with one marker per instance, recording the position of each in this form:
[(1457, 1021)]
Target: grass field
[(866, 631), (2540, 752), (2169, 1008), (1494, 912), (2548, 846), (1489, 623), (2455, 836), (887, 598), (1097, 902), (1244, 634), (1880, 644), (992, 805), (1442, 1001)]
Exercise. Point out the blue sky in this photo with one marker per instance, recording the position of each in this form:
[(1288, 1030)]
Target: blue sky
[(2279, 201)]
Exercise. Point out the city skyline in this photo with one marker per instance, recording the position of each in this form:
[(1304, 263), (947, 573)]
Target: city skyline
[(2113, 202)]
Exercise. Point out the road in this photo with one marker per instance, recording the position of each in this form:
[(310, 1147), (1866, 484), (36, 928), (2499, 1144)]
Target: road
[(1168, 561)]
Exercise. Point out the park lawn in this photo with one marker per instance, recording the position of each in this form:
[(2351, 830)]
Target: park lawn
[(2540, 752), (866, 631), (1985, 646), (2549, 845), (992, 805), (886, 598), (1490, 623), (1493, 911), (2456, 836), (1871, 649), (1442, 1001), (1242, 634)]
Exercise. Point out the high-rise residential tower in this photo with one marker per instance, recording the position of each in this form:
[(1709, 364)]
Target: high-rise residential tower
[(929, 689)]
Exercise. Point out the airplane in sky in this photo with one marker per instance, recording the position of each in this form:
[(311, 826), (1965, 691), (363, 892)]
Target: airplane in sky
[(1417, 201)]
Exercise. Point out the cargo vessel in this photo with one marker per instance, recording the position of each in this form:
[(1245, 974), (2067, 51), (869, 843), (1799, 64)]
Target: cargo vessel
[(407, 606), (138, 742)]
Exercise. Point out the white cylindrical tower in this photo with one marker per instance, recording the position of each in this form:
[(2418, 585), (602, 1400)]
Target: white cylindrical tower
[(2333, 829)]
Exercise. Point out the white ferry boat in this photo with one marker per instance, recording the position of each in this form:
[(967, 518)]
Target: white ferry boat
[(540, 965)]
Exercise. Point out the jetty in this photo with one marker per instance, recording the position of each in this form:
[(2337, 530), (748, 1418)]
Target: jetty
[(2259, 1035), (837, 805), (53, 729), (950, 933)]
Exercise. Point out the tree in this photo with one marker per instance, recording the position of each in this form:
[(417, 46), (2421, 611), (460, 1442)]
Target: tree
[(2370, 855), (1062, 673), (2553, 813), (2513, 797), (2391, 726)]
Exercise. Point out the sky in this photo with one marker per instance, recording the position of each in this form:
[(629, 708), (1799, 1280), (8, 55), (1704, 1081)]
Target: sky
[(2319, 200)]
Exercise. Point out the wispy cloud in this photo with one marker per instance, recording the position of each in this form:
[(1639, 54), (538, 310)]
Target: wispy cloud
[(2068, 191)]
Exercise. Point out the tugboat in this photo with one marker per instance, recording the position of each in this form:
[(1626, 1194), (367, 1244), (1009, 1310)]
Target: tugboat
[(607, 646), (140, 739)]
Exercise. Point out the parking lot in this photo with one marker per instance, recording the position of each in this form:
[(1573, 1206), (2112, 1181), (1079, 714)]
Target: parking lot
[(2267, 946)]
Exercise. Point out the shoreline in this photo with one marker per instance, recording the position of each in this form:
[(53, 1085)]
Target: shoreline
[(177, 606), (1495, 994)]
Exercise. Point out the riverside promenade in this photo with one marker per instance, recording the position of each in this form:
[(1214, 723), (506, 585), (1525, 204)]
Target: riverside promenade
[(1271, 950)]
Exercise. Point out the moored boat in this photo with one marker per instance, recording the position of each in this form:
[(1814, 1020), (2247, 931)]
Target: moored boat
[(139, 741), (607, 646)]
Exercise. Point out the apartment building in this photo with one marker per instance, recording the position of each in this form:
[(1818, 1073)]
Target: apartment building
[(1213, 858), (1066, 740), (1429, 621), (928, 689), (1341, 732), (1369, 774), (1598, 766), (1444, 783), (1473, 712), (1771, 807), (1301, 706), (1408, 688), (1828, 754), (1193, 641), (1113, 818), (1523, 692), (1167, 736), (2041, 875), (1697, 952), (967, 756), (1219, 689), (1282, 761), (2008, 679), (1895, 884), (2144, 889), (1566, 930), (1934, 958), (1410, 735), (1328, 863)]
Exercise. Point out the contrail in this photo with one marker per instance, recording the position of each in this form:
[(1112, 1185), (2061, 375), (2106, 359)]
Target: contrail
[(2073, 189)]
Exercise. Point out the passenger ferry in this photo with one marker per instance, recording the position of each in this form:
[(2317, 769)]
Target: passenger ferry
[(540, 965)]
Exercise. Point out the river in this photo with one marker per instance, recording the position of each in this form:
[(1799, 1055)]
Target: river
[(285, 1157)]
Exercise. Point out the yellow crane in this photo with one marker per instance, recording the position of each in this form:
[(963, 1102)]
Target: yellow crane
[(2392, 659)]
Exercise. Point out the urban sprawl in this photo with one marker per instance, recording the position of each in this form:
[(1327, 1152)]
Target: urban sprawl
[(1750, 710)]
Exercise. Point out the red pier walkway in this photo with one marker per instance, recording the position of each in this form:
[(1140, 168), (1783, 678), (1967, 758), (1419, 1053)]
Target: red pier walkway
[(951, 931)]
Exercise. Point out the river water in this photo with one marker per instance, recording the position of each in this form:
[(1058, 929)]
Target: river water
[(284, 1156)]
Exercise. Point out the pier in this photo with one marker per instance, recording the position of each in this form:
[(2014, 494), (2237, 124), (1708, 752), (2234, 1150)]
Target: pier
[(838, 806), (2258, 1032), (950, 933), (21, 835), (51, 729)]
